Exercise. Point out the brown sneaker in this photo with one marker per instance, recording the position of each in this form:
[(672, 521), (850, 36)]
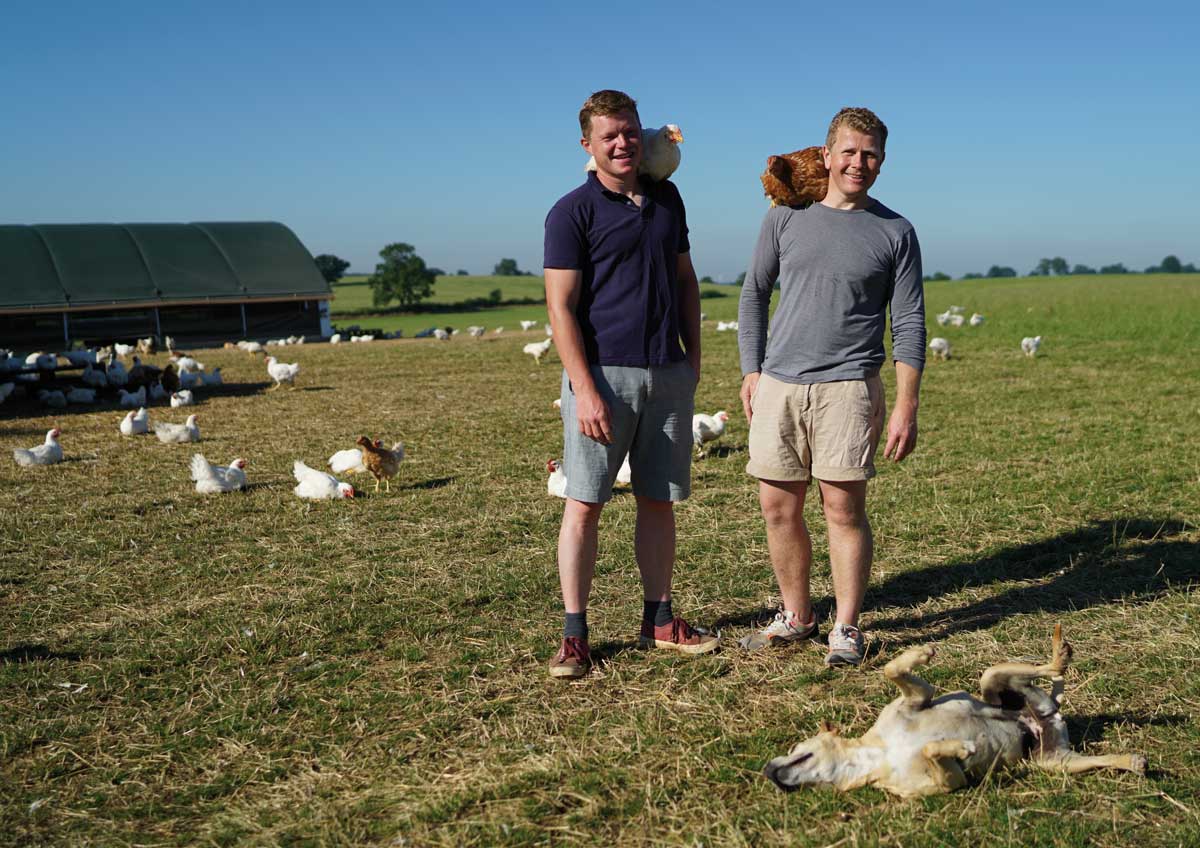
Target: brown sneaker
[(572, 660), (677, 635)]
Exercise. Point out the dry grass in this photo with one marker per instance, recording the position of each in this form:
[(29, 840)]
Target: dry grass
[(261, 670)]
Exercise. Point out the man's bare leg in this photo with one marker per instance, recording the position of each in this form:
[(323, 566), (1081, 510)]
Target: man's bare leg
[(654, 547), (577, 552), (788, 541), (851, 547)]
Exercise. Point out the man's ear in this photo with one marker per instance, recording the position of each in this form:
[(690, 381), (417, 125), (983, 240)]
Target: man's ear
[(826, 158), (586, 145)]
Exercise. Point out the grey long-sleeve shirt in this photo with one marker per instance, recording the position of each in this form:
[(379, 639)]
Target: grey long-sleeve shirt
[(839, 271)]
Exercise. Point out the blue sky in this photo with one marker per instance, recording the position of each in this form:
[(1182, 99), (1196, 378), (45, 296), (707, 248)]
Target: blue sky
[(1016, 131)]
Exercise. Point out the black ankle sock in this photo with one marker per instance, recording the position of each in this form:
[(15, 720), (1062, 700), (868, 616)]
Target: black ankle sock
[(657, 611), (576, 625)]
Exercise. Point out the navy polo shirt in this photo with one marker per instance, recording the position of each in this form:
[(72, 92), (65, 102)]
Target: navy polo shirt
[(628, 308)]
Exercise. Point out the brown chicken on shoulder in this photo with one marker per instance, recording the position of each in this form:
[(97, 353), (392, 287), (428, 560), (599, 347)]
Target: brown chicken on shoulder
[(796, 179), (381, 462)]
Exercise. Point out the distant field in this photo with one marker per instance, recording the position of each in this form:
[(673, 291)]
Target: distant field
[(351, 294), (251, 669)]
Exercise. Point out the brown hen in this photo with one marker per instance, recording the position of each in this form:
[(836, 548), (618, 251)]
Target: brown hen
[(381, 462), (796, 179)]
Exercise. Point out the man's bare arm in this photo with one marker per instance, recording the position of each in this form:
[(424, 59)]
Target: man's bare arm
[(689, 310), (902, 425), (563, 287)]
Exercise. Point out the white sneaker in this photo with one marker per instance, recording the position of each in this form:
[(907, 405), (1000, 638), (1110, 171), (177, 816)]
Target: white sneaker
[(781, 631), (845, 645)]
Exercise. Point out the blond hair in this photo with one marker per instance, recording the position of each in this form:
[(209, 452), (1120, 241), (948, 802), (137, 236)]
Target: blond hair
[(605, 104), (860, 120)]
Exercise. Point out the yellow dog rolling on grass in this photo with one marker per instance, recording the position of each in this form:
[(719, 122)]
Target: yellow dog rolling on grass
[(922, 745)]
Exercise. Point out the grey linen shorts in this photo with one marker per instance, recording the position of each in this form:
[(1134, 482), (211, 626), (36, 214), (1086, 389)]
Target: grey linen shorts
[(651, 417), (825, 430)]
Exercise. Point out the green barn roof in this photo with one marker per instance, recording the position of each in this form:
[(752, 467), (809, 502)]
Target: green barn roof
[(71, 267)]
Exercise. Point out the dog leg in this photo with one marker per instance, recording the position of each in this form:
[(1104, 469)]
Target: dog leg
[(1073, 763), (917, 693), (1011, 685), (943, 756)]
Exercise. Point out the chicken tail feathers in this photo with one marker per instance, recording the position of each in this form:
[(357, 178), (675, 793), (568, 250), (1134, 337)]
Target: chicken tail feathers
[(201, 470)]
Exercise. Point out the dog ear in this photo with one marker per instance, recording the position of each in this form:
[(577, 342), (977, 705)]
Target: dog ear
[(826, 727)]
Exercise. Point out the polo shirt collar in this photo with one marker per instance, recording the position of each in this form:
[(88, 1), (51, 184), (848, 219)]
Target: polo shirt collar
[(596, 185)]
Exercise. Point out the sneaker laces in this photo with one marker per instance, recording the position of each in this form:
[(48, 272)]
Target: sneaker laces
[(845, 636), (573, 647)]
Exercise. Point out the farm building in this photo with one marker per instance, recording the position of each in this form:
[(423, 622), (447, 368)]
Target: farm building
[(97, 283)]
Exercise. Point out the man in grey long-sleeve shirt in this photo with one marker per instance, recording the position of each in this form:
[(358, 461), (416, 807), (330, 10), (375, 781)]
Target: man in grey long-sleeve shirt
[(812, 392)]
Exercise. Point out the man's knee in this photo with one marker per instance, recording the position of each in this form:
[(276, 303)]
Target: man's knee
[(782, 503), (582, 514), (845, 504)]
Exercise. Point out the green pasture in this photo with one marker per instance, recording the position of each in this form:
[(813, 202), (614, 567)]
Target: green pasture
[(353, 295), (252, 669)]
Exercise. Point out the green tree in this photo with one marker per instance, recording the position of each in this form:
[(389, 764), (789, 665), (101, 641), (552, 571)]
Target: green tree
[(401, 276), (507, 268), (331, 267), (1042, 269), (1001, 271), (1171, 265), (937, 276), (1082, 269), (437, 272), (1059, 266), (973, 275), (706, 279), (1118, 268), (461, 272), (741, 278)]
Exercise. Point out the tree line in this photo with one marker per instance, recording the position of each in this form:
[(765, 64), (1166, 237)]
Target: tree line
[(1059, 267), (403, 276)]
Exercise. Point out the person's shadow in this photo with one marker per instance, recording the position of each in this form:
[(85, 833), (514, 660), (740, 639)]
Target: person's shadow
[(1132, 560)]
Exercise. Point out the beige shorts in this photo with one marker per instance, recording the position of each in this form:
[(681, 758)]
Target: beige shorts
[(825, 430)]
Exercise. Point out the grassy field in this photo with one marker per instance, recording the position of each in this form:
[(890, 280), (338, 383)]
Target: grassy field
[(352, 294), (251, 669)]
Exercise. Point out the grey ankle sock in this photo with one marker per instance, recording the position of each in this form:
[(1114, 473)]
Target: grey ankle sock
[(657, 611), (576, 625)]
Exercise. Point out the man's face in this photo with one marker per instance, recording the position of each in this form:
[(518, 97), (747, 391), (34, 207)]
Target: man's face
[(853, 162), (616, 143)]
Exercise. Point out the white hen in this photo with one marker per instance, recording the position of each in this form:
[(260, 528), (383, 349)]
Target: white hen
[(940, 347), (557, 483), (1030, 345), (133, 400), (93, 378), (178, 433), (217, 479), (625, 473), (47, 453), (80, 395), (52, 398), (708, 428), (538, 349), (976, 319), (183, 397), (135, 423), (282, 372), (528, 325), (347, 461), (660, 152), (317, 485)]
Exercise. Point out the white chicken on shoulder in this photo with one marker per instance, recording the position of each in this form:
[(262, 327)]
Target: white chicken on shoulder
[(708, 428), (282, 372), (48, 452), (135, 423), (217, 479), (317, 485), (660, 152), (178, 433)]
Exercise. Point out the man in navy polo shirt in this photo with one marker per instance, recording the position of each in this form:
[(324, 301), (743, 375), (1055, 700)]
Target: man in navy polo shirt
[(622, 295)]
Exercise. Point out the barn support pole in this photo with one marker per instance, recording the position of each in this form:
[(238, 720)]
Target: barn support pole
[(66, 332), (245, 333), (157, 324)]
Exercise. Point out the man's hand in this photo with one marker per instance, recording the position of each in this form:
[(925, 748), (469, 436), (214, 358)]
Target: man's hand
[(593, 415), (749, 384), (902, 432)]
